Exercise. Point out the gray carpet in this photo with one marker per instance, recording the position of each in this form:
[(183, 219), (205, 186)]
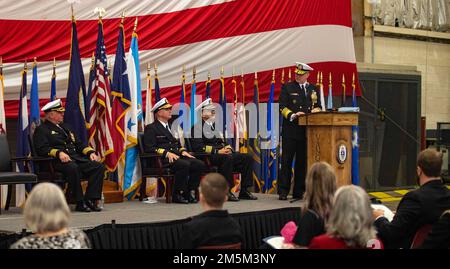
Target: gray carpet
[(138, 212)]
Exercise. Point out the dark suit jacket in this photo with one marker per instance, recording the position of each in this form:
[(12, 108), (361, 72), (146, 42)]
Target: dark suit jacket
[(439, 238), (50, 140), (292, 100), (417, 208), (158, 139), (211, 228), (211, 141)]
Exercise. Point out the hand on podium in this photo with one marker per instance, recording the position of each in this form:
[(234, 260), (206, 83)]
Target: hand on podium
[(315, 110)]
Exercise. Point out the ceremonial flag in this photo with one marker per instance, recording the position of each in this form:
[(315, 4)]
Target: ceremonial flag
[(76, 92), (330, 94), (120, 92), (254, 143), (133, 175), (149, 116), (35, 113), (100, 137), (23, 132), (53, 87), (355, 141)]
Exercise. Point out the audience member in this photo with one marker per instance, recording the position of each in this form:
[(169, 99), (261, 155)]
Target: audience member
[(423, 206), (320, 189), (47, 215), (350, 225), (214, 227)]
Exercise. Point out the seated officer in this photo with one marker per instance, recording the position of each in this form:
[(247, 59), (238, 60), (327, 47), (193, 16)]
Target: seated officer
[(158, 138), (75, 160), (207, 139)]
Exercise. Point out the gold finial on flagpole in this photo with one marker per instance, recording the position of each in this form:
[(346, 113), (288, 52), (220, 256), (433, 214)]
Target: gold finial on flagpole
[(321, 78), (25, 67), (123, 17), (100, 12), (290, 76), (194, 73), (282, 76), (54, 62), (330, 80), (156, 69), (353, 80), (318, 78), (222, 72), (242, 73), (256, 75), (149, 67), (273, 75), (209, 75), (135, 25), (1, 65), (71, 12)]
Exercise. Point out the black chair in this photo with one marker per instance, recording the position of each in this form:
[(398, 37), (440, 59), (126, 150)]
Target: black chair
[(44, 167), (7, 176), (152, 166)]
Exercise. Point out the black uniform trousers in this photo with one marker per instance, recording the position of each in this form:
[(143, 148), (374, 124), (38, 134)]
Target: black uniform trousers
[(239, 162), (293, 148), (188, 172), (74, 171)]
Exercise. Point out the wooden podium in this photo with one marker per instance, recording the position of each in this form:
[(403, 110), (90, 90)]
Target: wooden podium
[(329, 139)]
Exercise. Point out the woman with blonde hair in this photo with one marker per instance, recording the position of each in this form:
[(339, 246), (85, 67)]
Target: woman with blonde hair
[(47, 215), (320, 189), (350, 224)]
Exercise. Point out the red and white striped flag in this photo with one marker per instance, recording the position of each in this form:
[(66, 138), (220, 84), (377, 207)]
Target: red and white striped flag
[(100, 107), (256, 36)]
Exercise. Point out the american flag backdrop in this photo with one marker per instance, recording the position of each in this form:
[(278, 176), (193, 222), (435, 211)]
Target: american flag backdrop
[(253, 36)]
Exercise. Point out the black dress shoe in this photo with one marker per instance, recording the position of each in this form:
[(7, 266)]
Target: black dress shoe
[(179, 199), (246, 195), (282, 197), (81, 207), (93, 206), (232, 198)]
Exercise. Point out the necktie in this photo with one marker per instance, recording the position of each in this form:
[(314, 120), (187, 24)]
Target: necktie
[(303, 89), (168, 129)]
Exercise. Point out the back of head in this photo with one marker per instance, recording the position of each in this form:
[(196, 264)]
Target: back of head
[(46, 209), (214, 189), (320, 188), (430, 162), (351, 217)]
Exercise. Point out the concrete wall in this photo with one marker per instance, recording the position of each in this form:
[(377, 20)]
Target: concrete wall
[(432, 59)]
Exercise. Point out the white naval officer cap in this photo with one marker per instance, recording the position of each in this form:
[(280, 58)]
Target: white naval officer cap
[(302, 68), (55, 105), (206, 105), (161, 104)]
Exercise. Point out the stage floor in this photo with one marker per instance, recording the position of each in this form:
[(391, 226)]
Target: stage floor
[(138, 212)]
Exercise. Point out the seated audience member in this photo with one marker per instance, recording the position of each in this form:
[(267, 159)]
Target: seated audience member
[(417, 208), (320, 189), (350, 224), (214, 227), (47, 215), (439, 238)]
